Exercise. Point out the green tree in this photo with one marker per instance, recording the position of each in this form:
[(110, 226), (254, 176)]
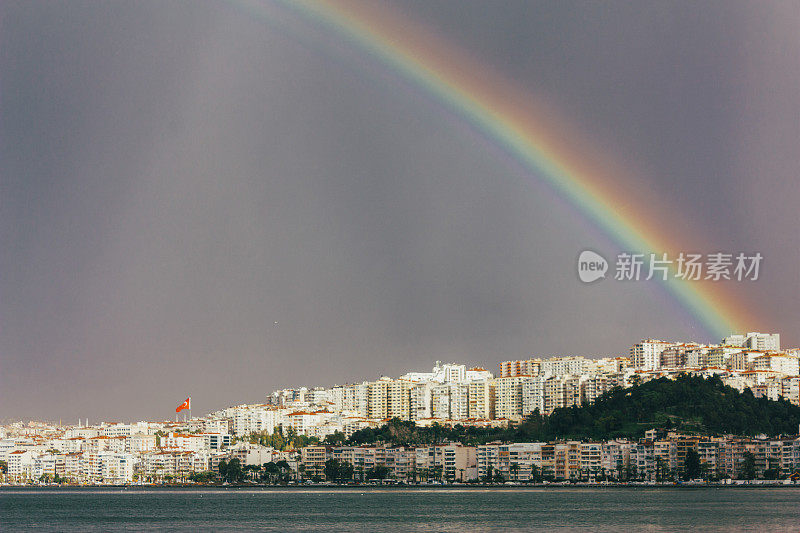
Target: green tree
[(337, 438), (705, 471), (284, 469), (338, 471), (231, 471), (378, 472), (660, 469), (346, 472), (331, 470), (270, 472), (773, 470), (536, 474), (691, 465), (202, 477), (748, 466), (251, 471)]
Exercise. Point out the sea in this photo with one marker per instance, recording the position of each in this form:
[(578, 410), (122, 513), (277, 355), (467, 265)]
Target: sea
[(402, 509)]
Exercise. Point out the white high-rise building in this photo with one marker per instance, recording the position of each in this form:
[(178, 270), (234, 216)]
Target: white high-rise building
[(378, 391), (533, 395), (361, 398), (254, 418), (784, 364), (561, 366), (337, 395), (350, 398), (421, 400), (645, 355), (441, 373), (477, 374), (718, 355), (453, 373), (399, 399), (508, 396), (755, 341), (451, 401), (440, 402), (116, 467), (481, 399)]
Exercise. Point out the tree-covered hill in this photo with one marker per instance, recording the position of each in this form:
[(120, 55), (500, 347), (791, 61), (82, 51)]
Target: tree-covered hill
[(690, 404)]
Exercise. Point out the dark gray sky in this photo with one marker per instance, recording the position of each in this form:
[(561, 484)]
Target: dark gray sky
[(195, 200)]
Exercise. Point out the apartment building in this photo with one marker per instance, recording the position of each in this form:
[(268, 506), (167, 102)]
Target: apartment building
[(313, 459), (481, 399), (754, 341), (646, 354), (450, 401), (508, 397), (399, 399), (523, 367)]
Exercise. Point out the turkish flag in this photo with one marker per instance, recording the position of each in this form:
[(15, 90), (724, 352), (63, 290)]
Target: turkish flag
[(185, 405)]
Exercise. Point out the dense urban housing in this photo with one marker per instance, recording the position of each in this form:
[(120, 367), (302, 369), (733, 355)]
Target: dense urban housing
[(302, 432)]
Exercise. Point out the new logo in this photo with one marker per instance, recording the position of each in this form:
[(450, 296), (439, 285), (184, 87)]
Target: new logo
[(591, 266)]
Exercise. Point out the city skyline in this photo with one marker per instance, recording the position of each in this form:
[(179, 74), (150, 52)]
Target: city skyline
[(709, 412), (228, 199), (455, 392)]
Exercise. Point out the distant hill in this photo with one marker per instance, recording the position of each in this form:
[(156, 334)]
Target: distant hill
[(688, 403)]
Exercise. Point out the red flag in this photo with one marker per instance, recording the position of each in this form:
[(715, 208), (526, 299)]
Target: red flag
[(185, 405)]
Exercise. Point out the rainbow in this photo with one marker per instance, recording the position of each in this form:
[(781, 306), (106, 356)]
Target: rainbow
[(537, 139)]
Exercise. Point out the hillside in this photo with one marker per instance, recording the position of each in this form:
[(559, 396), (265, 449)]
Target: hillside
[(689, 404)]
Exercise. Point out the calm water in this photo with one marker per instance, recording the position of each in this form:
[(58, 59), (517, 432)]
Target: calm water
[(565, 509)]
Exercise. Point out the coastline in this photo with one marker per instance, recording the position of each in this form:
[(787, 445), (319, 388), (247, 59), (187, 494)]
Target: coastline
[(397, 487)]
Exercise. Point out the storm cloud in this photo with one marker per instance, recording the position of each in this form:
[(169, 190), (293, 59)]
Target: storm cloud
[(197, 200)]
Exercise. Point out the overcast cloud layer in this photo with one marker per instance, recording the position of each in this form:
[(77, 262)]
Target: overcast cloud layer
[(197, 201)]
